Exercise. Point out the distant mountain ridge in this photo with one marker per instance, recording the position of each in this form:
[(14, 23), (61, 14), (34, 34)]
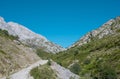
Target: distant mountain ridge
[(28, 37), (109, 27)]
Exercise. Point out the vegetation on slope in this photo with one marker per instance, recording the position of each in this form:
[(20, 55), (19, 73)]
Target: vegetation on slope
[(13, 54), (4, 57), (43, 72), (44, 55), (98, 59), (5, 33)]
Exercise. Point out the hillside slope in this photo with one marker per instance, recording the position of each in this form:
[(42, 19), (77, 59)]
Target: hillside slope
[(13, 54), (24, 73), (96, 55)]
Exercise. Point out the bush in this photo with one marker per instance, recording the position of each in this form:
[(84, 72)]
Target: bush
[(86, 61), (43, 72), (103, 71), (108, 73), (49, 62), (58, 62), (75, 68)]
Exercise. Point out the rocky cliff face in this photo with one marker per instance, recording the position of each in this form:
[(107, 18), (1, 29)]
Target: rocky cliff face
[(108, 28), (28, 37)]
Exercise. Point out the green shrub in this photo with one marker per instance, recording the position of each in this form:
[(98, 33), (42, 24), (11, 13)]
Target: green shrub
[(43, 72), (59, 63), (86, 61), (105, 72), (49, 62), (75, 68)]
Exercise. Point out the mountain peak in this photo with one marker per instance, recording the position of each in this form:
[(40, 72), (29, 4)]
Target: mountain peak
[(30, 38)]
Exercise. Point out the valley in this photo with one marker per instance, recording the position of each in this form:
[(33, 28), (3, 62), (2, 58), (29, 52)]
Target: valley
[(26, 55)]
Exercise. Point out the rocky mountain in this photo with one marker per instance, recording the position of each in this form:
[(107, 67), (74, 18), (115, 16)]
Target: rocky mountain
[(28, 37), (108, 28)]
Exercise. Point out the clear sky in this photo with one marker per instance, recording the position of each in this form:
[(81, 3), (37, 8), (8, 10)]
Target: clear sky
[(61, 21)]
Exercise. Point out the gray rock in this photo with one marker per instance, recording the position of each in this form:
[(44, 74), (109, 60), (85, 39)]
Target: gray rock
[(63, 73)]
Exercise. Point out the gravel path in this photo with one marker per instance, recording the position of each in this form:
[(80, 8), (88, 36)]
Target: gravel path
[(24, 73), (62, 72)]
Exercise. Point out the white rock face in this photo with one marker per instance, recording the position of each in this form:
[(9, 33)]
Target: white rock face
[(109, 27), (28, 37)]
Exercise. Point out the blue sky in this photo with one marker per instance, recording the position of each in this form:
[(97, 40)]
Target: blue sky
[(61, 21)]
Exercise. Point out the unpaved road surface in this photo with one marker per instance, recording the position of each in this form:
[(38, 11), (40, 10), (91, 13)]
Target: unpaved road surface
[(63, 73), (24, 73)]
